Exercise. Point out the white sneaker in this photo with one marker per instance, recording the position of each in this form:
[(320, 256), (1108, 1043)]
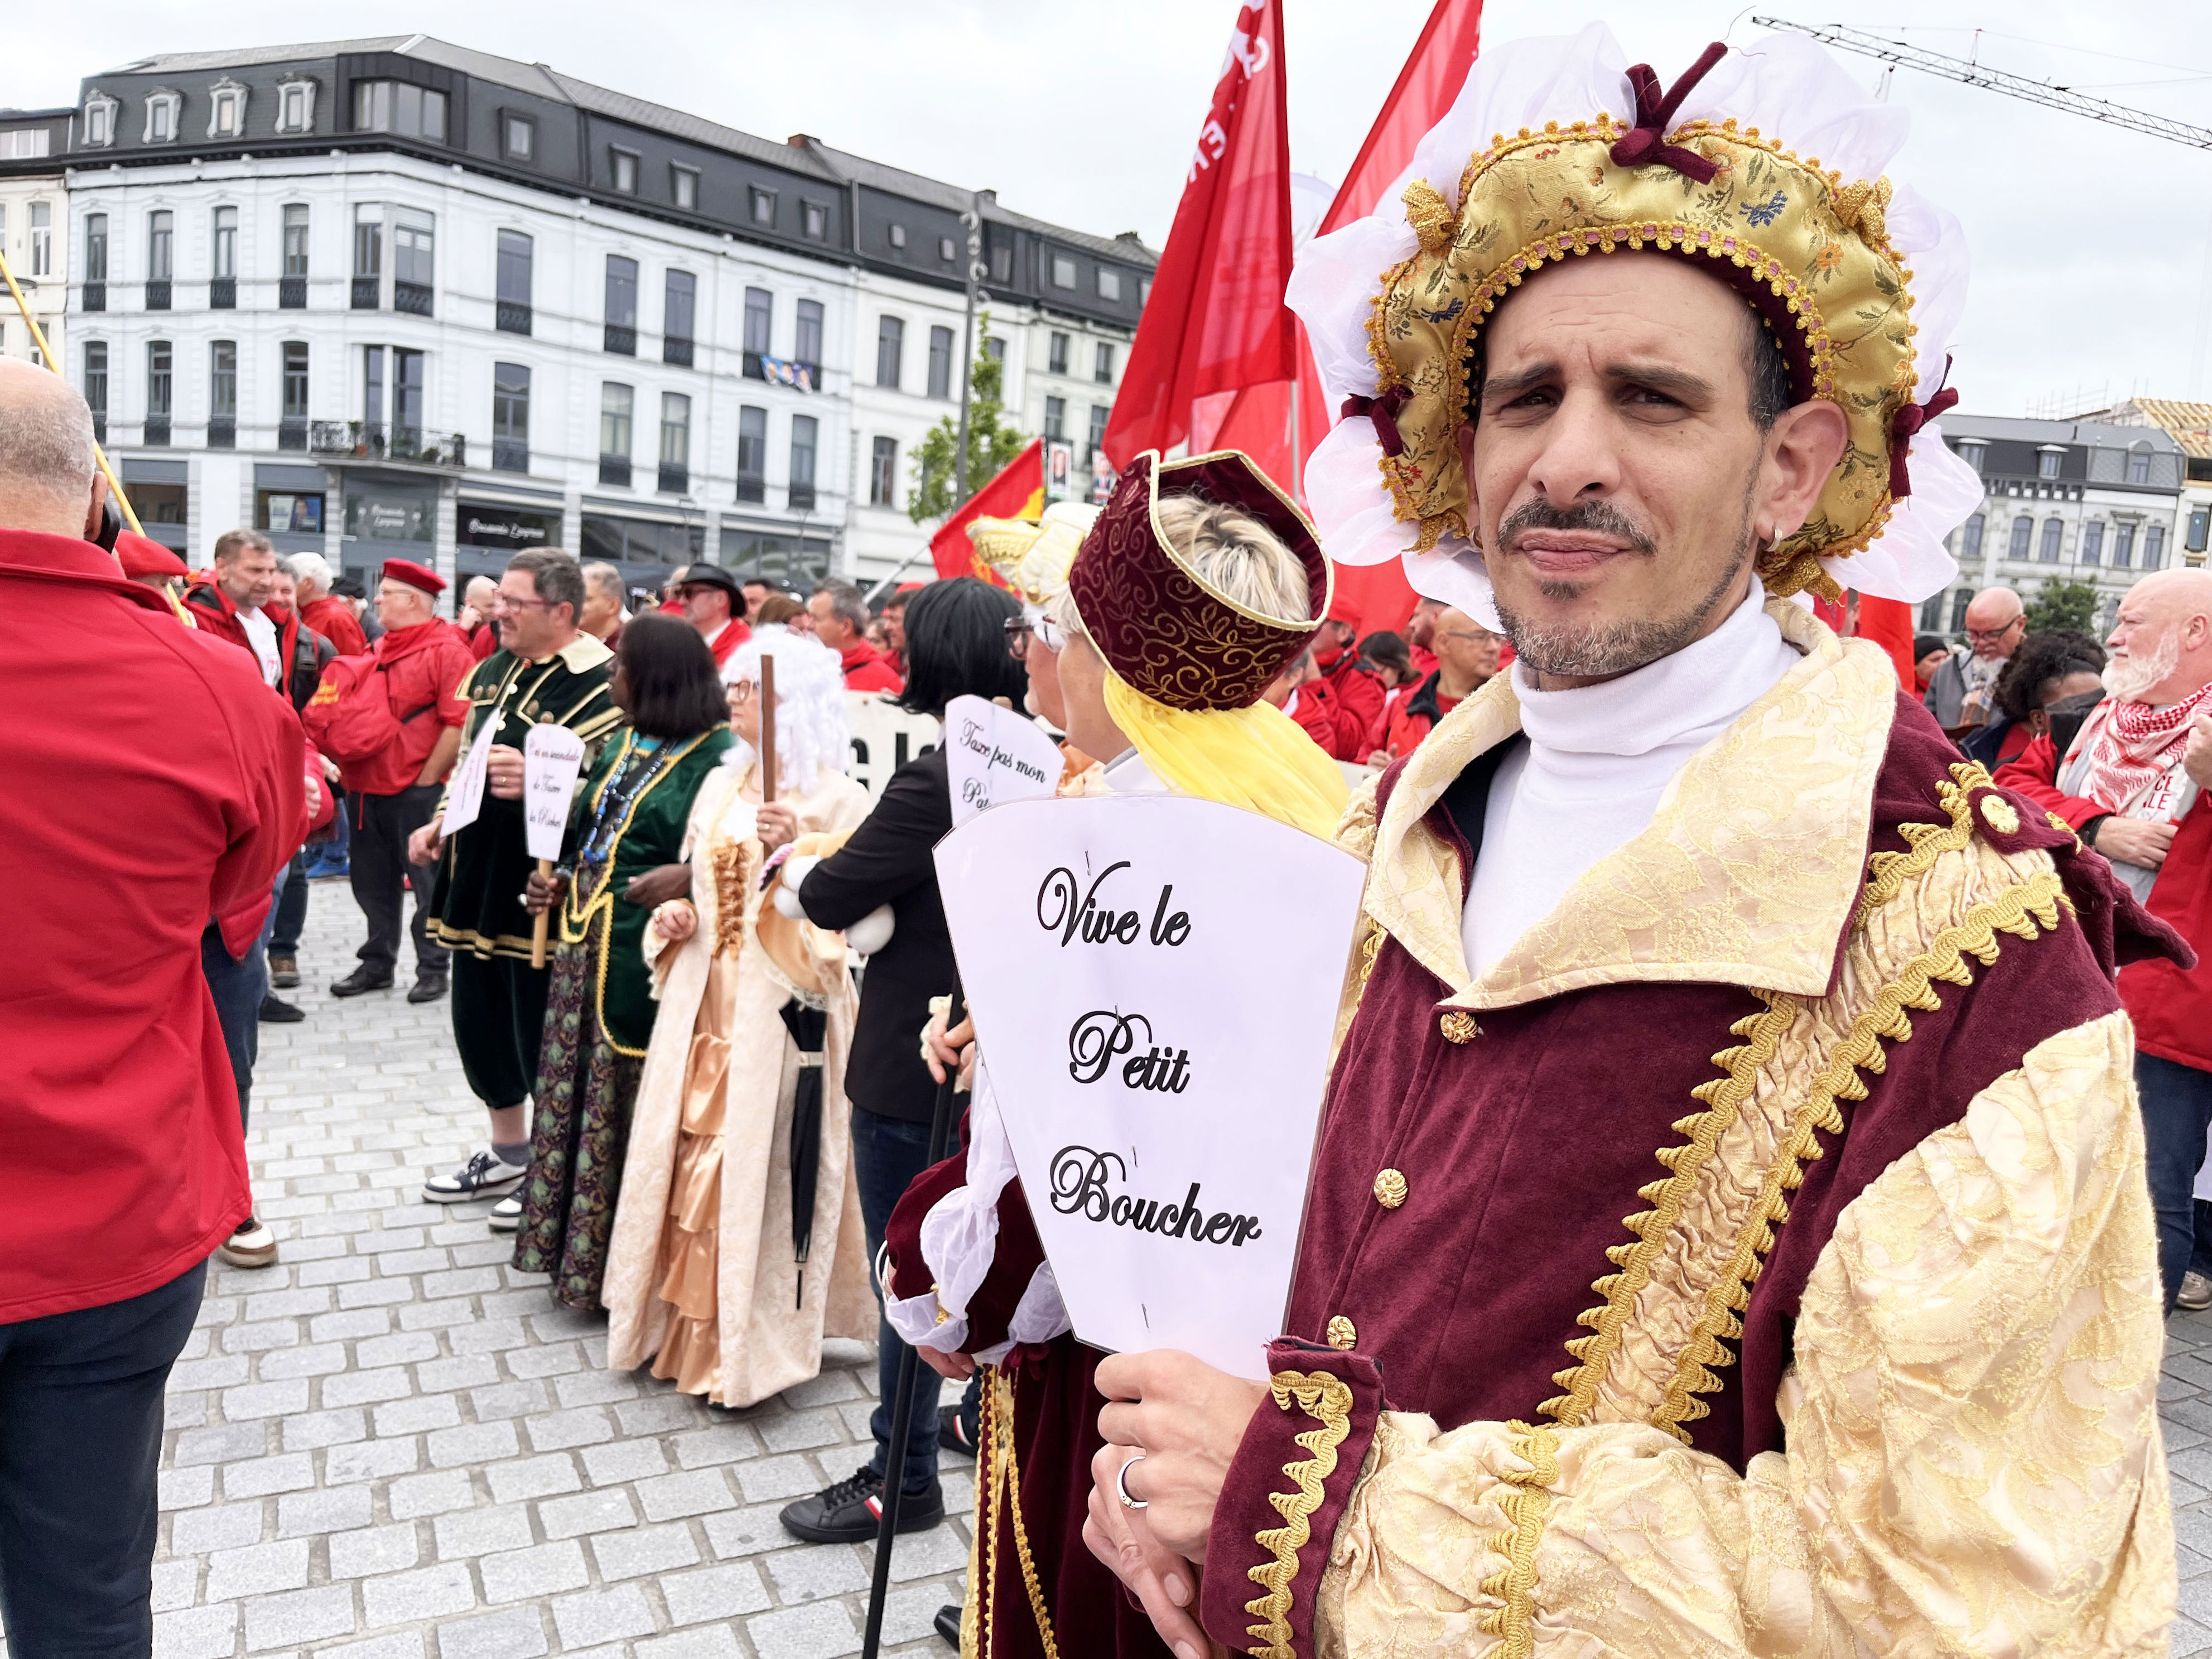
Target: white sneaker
[(2196, 1292), (507, 1215), (484, 1175), (251, 1246)]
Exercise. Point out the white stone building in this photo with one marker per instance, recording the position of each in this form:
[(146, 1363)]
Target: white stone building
[(33, 225)]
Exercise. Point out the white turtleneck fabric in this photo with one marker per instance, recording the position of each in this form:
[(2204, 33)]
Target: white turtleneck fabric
[(1597, 761)]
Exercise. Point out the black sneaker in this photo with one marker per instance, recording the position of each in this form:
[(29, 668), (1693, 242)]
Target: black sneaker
[(948, 1625), (275, 1011), (427, 988), (955, 1433), (484, 1175), (363, 978), (851, 1511)]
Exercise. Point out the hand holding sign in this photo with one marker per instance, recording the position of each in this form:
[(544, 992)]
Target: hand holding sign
[(993, 756), (465, 800), (551, 758)]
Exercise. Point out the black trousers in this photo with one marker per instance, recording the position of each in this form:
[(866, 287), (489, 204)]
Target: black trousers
[(379, 871), (499, 1018), (80, 1445)]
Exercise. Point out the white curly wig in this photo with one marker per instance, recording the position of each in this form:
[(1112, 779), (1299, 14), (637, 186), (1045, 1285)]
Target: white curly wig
[(811, 734)]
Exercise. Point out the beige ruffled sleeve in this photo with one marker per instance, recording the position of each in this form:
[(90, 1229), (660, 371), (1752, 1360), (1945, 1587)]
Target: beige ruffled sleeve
[(1973, 1461)]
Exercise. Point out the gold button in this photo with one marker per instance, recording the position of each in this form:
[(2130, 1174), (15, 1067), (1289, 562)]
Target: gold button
[(1458, 1026), (1342, 1334), (1389, 1190), (1997, 812)]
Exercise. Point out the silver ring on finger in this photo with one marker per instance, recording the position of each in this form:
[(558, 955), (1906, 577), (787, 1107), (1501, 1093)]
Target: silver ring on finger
[(1122, 1485)]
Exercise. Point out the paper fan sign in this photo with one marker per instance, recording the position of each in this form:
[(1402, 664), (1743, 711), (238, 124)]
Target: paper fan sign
[(995, 756), (1155, 980), (552, 755)]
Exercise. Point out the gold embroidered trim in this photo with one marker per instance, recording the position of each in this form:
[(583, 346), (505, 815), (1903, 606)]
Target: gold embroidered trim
[(1002, 1492), (1723, 1097), (734, 867), (1887, 873), (2017, 910), (1526, 1500), (1329, 1399)]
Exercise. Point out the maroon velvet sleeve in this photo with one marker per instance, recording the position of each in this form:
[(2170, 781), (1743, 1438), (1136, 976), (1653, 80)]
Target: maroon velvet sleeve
[(910, 1274), (1271, 1462), (992, 1307)]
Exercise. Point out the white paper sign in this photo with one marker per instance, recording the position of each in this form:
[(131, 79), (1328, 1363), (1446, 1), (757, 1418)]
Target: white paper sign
[(551, 758), (465, 800), (993, 756), (1155, 979), (884, 737)]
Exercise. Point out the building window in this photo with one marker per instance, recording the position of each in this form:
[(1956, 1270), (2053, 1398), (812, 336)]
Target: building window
[(414, 261), (622, 305), (2048, 552), (226, 109), (816, 217), (159, 392), (2046, 462), (678, 306), (683, 187), (752, 454), (1972, 453), (162, 110), (1097, 438), (292, 284), (95, 262), (1055, 419), (510, 418), (400, 107), (296, 104), (518, 136), (1102, 365), (806, 340), (372, 394), (1063, 270), (292, 427), (623, 163), (2200, 530), (898, 237), (1055, 356), (802, 462), (160, 255), (2023, 527), (1960, 599), (1971, 539), (1110, 284), (946, 250), (940, 362), (883, 473), (994, 349), (2092, 542), (890, 341), (2139, 464), (42, 238), (1002, 261), (615, 402), (675, 443), (761, 205), (367, 256), (95, 386), (2154, 547), (760, 314), (2123, 546), (222, 394), (99, 121), (517, 255), (226, 242)]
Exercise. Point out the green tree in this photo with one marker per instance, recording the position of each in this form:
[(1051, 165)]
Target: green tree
[(993, 440), (2063, 604)]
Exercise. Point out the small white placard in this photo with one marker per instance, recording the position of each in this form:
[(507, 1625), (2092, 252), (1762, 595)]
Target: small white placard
[(465, 799), (995, 756), (1155, 980), (551, 758)]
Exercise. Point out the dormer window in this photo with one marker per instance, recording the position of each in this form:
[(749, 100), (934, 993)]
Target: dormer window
[(1110, 284), (763, 206), (296, 104), (99, 120), (226, 109), (898, 236), (163, 109)]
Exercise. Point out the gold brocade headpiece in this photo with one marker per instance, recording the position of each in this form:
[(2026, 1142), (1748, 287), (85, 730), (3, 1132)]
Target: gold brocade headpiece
[(1032, 557)]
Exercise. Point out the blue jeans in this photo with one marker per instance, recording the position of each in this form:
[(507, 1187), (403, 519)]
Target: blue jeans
[(80, 1443), (888, 1153), (238, 985), (2177, 1111)]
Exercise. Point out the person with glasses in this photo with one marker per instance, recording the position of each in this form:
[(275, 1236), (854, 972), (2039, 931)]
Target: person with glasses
[(545, 670), (714, 604), (1466, 656), (1959, 694)]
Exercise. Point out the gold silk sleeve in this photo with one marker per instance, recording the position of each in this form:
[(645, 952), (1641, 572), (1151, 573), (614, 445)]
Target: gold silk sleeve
[(1973, 1461)]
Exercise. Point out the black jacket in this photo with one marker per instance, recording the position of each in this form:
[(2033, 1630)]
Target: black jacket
[(888, 861)]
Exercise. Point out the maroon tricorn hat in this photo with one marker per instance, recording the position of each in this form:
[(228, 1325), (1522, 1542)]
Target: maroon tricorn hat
[(1162, 627)]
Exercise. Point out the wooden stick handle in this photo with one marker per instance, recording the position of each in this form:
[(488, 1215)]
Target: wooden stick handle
[(537, 927), (768, 727)]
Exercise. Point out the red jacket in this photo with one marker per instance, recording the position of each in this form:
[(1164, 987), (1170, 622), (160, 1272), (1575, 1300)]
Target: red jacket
[(1358, 695), (216, 616), (483, 640), (425, 667), (2171, 1006), (1314, 707), (158, 784), (333, 619), (867, 669), (1413, 715), (735, 632)]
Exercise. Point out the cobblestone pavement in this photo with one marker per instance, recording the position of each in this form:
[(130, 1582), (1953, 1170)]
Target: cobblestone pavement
[(392, 1446)]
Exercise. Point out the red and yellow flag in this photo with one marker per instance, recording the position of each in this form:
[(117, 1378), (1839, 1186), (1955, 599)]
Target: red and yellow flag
[(1017, 493)]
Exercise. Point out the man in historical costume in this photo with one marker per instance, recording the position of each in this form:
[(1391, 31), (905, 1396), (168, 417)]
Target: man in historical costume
[(1728, 1230), (546, 671), (1196, 584)]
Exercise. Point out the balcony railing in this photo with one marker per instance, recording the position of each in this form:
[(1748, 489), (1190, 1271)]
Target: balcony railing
[(753, 370), (95, 296), (373, 441), (292, 432), (675, 478), (292, 292), (514, 317), (223, 294), (413, 298), (222, 432), (615, 470), (510, 454), (673, 350), (622, 339), (100, 427), (751, 487), (157, 293), (802, 498), (157, 432), (365, 295)]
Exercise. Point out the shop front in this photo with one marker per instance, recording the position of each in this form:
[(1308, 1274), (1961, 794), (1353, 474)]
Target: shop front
[(290, 505), (645, 550), (160, 493), (784, 554), (388, 517), (487, 534)]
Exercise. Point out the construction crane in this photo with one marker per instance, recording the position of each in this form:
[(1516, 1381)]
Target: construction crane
[(1896, 52)]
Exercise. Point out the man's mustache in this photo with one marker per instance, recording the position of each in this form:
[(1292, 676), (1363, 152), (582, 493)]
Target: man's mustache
[(1602, 517)]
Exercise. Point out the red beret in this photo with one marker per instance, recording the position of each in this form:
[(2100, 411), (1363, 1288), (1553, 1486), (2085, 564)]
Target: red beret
[(415, 575), (141, 555)]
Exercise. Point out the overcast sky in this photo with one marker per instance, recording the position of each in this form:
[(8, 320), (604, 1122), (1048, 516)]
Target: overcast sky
[(2091, 244)]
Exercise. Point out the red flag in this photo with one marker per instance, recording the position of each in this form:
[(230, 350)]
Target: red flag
[(1216, 322), (1017, 493)]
